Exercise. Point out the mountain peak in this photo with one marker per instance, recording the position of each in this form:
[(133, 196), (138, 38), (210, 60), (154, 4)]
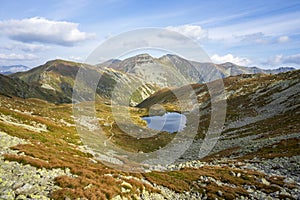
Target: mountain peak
[(170, 56), (143, 58), (228, 64), (62, 62), (143, 55)]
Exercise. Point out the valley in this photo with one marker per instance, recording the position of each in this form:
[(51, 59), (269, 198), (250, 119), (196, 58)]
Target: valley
[(256, 155)]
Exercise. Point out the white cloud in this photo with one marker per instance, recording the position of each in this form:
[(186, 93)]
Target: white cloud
[(26, 47), (42, 30), (258, 38), (283, 39), (283, 24), (281, 59), (17, 57), (193, 31), (76, 58), (230, 58)]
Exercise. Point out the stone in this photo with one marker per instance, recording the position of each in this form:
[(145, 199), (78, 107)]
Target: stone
[(118, 197), (26, 188), (17, 185), (126, 185), (232, 173), (7, 194), (21, 197), (220, 193), (88, 186), (265, 182), (269, 198), (124, 190), (106, 124)]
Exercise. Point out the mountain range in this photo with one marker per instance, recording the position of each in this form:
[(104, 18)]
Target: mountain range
[(13, 69), (256, 154), (193, 72), (56, 78)]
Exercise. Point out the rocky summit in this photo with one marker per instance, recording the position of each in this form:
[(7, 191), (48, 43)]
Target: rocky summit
[(255, 156)]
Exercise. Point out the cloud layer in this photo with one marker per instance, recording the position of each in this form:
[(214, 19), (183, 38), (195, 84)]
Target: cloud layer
[(291, 59), (18, 57), (230, 58), (25, 47), (193, 31), (42, 30), (283, 39)]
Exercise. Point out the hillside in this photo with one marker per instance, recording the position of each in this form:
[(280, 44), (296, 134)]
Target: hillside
[(140, 74), (259, 107), (58, 76), (15, 87), (256, 157)]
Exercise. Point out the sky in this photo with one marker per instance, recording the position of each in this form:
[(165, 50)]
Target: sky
[(249, 33)]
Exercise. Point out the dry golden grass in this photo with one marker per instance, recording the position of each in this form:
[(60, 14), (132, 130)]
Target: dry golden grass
[(220, 154), (186, 180), (57, 149), (284, 148)]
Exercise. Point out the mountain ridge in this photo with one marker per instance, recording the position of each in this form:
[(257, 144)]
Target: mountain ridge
[(193, 71), (58, 76)]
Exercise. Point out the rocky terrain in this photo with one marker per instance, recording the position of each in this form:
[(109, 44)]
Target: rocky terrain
[(256, 155), (20, 181), (261, 128)]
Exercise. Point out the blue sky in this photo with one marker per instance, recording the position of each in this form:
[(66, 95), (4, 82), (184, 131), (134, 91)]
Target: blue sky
[(251, 33)]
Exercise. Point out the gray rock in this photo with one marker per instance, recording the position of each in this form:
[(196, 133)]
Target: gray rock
[(232, 173), (264, 181), (25, 189), (220, 193)]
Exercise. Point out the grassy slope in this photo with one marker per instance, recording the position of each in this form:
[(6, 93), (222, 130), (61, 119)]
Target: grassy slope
[(57, 148), (58, 77)]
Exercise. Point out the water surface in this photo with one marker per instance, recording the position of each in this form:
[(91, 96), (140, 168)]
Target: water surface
[(170, 122)]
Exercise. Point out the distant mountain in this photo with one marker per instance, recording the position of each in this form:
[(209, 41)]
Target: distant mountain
[(140, 75), (172, 70), (158, 71), (230, 69), (13, 69), (279, 70)]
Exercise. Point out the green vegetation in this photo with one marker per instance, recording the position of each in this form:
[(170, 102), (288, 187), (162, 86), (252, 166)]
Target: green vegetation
[(57, 145)]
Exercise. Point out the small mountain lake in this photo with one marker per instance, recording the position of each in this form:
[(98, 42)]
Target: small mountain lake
[(171, 122)]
